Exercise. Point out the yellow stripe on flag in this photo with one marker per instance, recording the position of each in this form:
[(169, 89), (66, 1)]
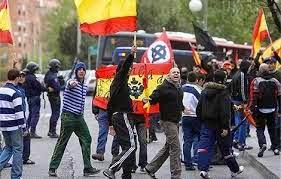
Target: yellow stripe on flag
[(91, 11), (5, 20), (268, 51)]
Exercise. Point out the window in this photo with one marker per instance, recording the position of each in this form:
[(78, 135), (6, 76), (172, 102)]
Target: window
[(19, 28), (19, 12), (19, 44)]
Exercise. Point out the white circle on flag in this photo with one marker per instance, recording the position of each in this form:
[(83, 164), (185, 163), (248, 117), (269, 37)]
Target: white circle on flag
[(158, 52)]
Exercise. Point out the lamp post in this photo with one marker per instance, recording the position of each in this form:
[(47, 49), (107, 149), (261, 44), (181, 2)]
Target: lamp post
[(197, 6)]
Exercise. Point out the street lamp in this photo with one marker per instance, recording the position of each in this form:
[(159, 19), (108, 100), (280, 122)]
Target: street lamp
[(196, 6)]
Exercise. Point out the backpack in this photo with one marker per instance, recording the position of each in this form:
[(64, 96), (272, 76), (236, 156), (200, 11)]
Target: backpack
[(267, 94)]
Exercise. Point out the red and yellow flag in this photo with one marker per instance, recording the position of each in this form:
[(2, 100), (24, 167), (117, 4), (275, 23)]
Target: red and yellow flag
[(196, 57), (5, 24), (276, 45), (156, 75), (260, 32), (103, 17)]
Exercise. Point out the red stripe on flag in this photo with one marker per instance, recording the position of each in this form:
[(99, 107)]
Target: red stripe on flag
[(5, 37), (110, 26)]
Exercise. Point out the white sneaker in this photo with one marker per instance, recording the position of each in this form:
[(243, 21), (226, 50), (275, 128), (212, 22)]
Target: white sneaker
[(241, 169), (236, 154), (205, 175)]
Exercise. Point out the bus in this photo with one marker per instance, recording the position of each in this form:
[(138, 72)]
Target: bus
[(179, 41), (183, 58)]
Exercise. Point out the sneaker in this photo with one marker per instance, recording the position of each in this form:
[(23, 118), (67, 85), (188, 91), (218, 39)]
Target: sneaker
[(53, 135), (276, 152), (149, 173), (7, 165), (28, 162), (241, 169), (262, 149), (236, 154), (109, 174), (142, 170), (134, 169), (98, 157), (34, 136), (205, 175), (246, 147), (88, 172), (52, 172), (190, 168), (235, 144)]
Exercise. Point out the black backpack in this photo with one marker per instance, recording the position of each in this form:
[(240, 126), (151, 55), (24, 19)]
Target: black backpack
[(267, 94)]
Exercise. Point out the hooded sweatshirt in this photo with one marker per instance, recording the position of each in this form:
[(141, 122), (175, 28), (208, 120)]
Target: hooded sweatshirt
[(214, 106), (74, 97)]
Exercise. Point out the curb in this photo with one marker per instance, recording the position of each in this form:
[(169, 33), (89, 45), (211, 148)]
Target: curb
[(262, 169)]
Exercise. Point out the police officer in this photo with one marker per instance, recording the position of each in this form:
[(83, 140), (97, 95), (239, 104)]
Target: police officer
[(33, 89), (51, 80)]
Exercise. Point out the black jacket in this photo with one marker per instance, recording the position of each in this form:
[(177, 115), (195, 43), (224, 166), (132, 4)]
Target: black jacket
[(214, 106), (32, 86), (120, 100), (170, 101)]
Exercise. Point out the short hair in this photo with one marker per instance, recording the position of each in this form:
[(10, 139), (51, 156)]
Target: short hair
[(192, 76), (219, 76), (13, 74)]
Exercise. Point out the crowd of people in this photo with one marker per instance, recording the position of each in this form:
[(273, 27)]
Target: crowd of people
[(205, 103)]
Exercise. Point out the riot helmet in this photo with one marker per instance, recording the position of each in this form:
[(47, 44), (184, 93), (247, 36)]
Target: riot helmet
[(32, 67), (54, 64)]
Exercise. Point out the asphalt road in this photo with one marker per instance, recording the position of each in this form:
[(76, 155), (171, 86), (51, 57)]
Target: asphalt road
[(72, 165)]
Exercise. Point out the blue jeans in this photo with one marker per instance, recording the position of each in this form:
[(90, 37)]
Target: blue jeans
[(102, 119), (191, 132), (13, 147), (208, 137), (240, 134), (34, 104)]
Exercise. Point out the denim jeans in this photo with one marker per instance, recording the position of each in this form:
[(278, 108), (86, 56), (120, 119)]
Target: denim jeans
[(208, 137), (141, 132), (240, 134), (13, 147), (102, 119), (191, 132)]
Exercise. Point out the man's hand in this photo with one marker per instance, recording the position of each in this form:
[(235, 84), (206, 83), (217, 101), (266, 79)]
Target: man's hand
[(73, 83), (224, 133), (111, 131), (50, 89), (133, 50), (187, 110), (145, 100)]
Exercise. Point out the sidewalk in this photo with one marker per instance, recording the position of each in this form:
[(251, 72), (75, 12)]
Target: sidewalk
[(269, 165)]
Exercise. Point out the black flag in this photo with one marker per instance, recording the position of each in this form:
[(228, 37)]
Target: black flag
[(203, 39)]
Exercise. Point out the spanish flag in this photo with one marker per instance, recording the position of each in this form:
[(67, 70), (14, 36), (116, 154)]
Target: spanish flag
[(196, 57), (260, 32), (276, 45), (104, 17), (5, 24)]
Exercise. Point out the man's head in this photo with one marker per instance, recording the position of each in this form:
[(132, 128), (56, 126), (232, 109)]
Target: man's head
[(174, 74), (220, 77), (22, 77), (13, 75), (80, 71), (271, 61), (192, 77), (54, 64), (184, 73), (263, 69), (196, 69), (32, 67)]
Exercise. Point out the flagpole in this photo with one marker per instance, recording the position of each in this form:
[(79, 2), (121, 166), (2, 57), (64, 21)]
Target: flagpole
[(135, 43)]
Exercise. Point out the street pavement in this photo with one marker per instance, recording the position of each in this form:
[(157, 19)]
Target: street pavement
[(72, 164)]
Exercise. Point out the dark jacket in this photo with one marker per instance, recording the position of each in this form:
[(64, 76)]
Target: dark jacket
[(51, 80), (239, 87), (32, 86), (169, 98), (214, 106), (120, 100)]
